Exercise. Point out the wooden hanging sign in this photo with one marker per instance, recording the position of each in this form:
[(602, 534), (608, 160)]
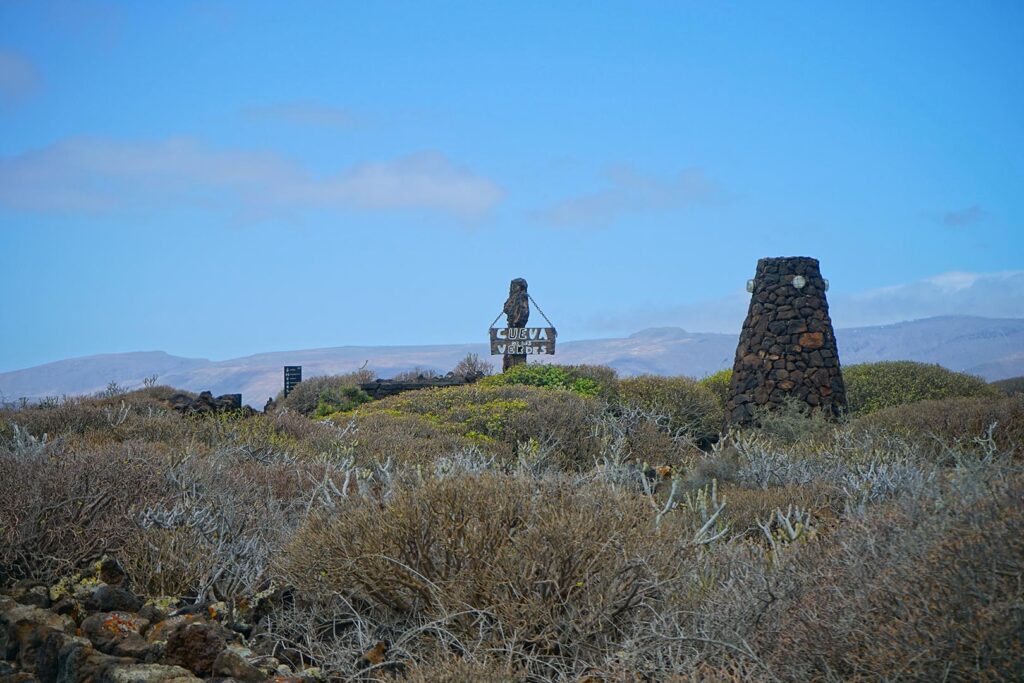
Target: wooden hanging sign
[(519, 341)]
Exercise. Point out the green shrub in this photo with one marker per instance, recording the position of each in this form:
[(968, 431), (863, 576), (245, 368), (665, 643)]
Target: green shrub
[(339, 400), (692, 409), (305, 398), (718, 383), (498, 418), (587, 380), (873, 386)]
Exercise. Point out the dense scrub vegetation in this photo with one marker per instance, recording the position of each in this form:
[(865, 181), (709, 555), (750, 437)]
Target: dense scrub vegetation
[(553, 523), (588, 380), (326, 394), (873, 386), (1011, 386)]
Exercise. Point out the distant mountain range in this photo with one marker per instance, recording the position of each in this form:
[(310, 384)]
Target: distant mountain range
[(991, 348)]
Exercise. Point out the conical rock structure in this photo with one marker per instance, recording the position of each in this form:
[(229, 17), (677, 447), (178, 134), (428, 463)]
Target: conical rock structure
[(787, 346)]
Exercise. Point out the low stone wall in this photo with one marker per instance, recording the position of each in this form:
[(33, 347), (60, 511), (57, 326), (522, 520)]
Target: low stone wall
[(206, 403), (382, 388), (787, 347)]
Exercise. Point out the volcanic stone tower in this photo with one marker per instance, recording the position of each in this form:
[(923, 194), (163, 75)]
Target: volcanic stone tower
[(787, 346)]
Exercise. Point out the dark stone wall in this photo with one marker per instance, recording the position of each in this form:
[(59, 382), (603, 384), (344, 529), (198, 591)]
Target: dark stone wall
[(382, 388), (787, 346)]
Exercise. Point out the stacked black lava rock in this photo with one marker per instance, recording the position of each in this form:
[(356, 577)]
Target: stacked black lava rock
[(787, 346)]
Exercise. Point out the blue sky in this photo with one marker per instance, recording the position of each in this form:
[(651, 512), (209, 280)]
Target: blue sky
[(215, 179)]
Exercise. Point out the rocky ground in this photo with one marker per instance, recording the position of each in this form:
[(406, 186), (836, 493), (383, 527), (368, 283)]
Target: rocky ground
[(91, 628)]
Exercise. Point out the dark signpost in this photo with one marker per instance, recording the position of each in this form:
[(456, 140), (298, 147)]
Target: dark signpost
[(516, 341), (292, 376)]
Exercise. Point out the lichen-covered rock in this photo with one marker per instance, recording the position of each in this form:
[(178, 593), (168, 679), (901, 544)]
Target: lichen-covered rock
[(48, 657), (77, 587), (24, 628), (120, 634), (234, 662), (106, 598), (145, 673), (29, 593), (163, 630), (156, 610), (73, 659), (70, 608)]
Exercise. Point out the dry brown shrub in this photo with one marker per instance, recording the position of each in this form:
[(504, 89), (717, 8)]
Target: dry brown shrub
[(134, 416), (721, 466), (949, 611), (222, 517), (953, 419), (460, 670), (537, 569), (62, 508), (166, 562), (67, 416), (691, 407), (648, 443), (909, 592), (745, 507), (408, 440)]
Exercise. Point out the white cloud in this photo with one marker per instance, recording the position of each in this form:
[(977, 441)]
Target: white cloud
[(993, 295), (18, 77), (629, 191), (88, 174)]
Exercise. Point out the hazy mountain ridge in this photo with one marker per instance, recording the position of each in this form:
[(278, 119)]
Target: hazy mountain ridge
[(990, 347)]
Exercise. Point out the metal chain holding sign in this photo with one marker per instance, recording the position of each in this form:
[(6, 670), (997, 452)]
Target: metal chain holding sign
[(550, 324)]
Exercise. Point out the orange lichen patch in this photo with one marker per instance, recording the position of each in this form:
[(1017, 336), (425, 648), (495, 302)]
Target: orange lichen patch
[(121, 624), (812, 340)]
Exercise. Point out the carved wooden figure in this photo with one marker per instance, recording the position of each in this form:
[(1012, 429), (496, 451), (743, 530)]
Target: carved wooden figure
[(517, 312)]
